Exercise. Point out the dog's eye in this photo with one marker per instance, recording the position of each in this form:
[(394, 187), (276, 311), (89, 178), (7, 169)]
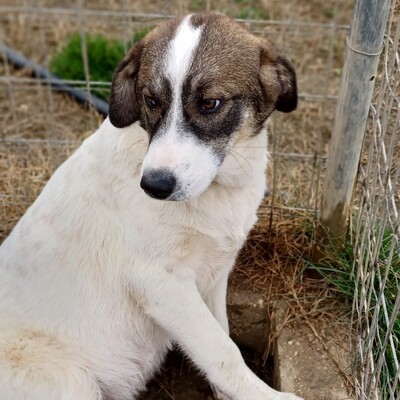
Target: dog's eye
[(208, 106), (151, 102)]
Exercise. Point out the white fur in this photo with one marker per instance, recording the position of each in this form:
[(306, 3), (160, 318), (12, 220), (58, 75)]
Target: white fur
[(105, 278), (179, 57), (194, 165), (98, 280)]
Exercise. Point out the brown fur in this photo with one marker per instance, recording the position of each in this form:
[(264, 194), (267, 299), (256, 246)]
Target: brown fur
[(231, 64)]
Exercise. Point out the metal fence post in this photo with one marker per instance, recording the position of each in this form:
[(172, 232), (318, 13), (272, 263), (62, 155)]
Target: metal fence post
[(364, 46)]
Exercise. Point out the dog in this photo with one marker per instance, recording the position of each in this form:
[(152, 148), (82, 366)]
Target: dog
[(128, 248)]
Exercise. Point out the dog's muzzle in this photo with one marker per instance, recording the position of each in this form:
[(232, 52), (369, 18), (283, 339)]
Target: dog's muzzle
[(158, 183)]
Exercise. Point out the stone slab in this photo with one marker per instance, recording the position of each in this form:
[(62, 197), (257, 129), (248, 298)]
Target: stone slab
[(302, 366)]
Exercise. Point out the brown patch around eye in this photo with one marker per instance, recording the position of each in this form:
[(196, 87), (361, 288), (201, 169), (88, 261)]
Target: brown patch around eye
[(150, 102)]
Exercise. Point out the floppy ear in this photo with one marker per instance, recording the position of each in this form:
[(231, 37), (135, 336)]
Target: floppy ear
[(278, 79), (124, 107)]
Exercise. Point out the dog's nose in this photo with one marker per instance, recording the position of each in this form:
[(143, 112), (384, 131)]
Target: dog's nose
[(158, 183)]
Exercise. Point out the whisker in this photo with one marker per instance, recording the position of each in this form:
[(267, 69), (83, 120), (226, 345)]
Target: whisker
[(240, 165), (241, 155)]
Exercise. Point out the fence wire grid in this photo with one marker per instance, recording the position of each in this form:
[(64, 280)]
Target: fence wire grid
[(35, 118), (41, 127), (376, 238)]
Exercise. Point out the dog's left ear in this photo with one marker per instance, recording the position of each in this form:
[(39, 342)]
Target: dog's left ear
[(278, 78), (124, 108)]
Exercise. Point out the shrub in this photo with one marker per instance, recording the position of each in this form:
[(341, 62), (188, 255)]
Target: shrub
[(103, 57)]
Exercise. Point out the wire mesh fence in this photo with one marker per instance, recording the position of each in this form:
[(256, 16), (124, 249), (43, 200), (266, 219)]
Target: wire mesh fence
[(377, 234), (36, 118), (41, 126)]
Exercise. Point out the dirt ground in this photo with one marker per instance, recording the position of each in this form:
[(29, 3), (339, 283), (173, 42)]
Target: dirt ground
[(178, 380)]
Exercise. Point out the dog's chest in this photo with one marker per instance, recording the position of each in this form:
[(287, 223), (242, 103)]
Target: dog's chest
[(204, 240)]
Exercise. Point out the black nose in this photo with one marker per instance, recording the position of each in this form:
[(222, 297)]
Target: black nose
[(158, 183)]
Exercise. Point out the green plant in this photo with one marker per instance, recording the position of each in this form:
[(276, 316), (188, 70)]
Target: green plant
[(390, 290), (337, 271), (329, 12), (103, 56), (198, 5)]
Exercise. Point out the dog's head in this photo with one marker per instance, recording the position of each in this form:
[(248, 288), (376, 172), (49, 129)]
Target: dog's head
[(197, 85)]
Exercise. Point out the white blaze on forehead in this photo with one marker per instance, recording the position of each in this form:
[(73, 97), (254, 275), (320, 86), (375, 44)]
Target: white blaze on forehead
[(167, 150), (180, 52), (193, 164)]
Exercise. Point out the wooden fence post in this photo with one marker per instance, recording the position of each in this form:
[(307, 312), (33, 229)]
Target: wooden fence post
[(364, 46)]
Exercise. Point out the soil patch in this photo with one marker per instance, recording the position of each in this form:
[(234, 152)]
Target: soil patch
[(179, 380)]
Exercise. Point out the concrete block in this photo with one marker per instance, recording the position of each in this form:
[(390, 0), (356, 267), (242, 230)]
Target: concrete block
[(249, 321), (302, 366)]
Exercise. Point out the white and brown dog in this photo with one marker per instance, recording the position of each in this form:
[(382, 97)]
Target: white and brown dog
[(99, 278)]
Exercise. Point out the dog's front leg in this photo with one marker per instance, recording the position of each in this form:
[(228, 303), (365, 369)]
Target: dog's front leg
[(176, 304), (216, 302)]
